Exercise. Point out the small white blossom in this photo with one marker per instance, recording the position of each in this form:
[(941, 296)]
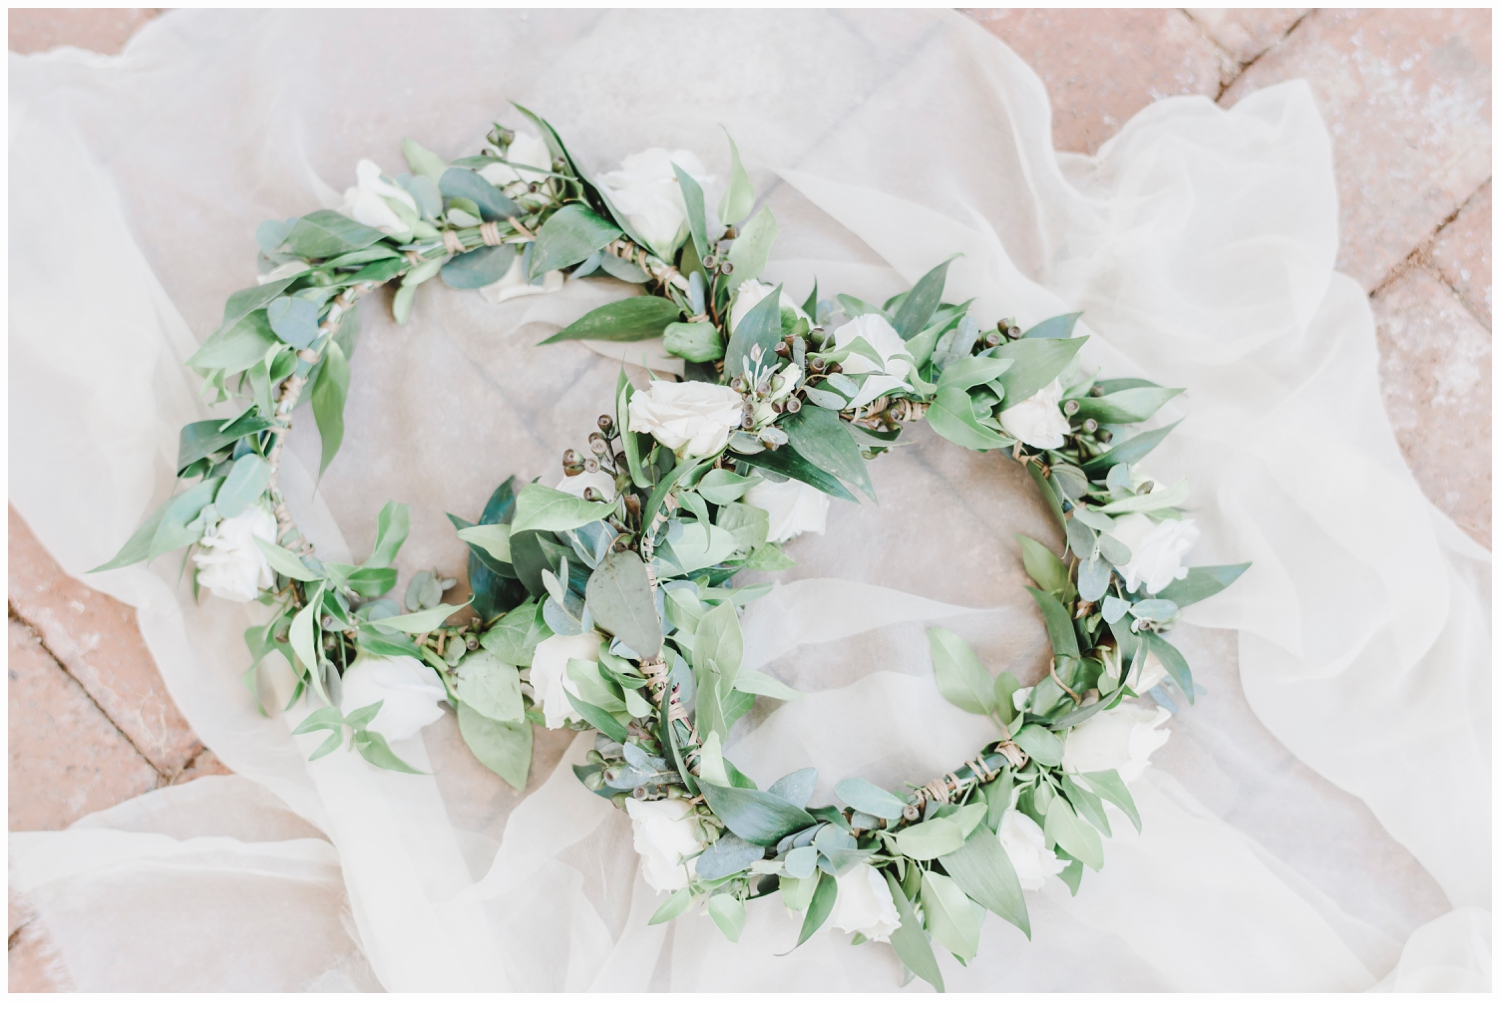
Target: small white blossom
[(864, 905), (1122, 739), (232, 566), (665, 835), (1037, 420), (524, 150), (794, 507), (1026, 845), (370, 201), (690, 418), (750, 294), (549, 673), (409, 690), (1156, 550)]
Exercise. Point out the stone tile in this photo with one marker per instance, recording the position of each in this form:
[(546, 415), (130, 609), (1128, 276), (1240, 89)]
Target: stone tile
[(1103, 66), (1406, 95), (1246, 32), (1435, 373), (31, 967), (96, 638), (34, 30), (1461, 254), (204, 764), (66, 758)]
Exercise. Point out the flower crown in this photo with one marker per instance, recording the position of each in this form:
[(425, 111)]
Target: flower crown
[(605, 603)]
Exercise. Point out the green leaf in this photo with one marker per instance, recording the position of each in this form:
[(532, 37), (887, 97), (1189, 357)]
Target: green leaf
[(245, 483), (910, 943), (757, 683), (420, 622), (699, 342), (285, 562), (961, 677), (303, 636), (1132, 450), (370, 582), (543, 508), (466, 185), (825, 894), (949, 916), (724, 486), (629, 319), (677, 902), (1076, 838), (598, 718), (1045, 568), (760, 327), (692, 199), (1056, 328), (753, 246), (329, 394), (620, 597), (1110, 786), (294, 320), (236, 347), (386, 643), (787, 462), (769, 558), (515, 636), (202, 439), (952, 416), (390, 533), (1040, 744), (1127, 406), (930, 839), (491, 686), (1173, 660), (570, 236), (719, 641), (374, 749), (478, 268), (494, 539), (326, 233), (868, 798), (502, 747), (1199, 583), (917, 307), (138, 547), (1037, 363), (753, 815), (971, 372), (737, 200), (422, 161), (728, 913), (985, 873), (1059, 626), (819, 437)]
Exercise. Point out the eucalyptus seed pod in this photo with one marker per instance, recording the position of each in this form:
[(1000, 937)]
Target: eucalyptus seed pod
[(622, 462), (500, 136), (1090, 425), (731, 233), (738, 385), (606, 424), (1071, 407), (816, 366), (591, 465), (747, 419), (910, 813), (992, 340), (1105, 436), (572, 463), (471, 642), (1096, 390), (559, 165), (783, 350), (727, 268), (834, 366), (763, 390), (591, 493), (1013, 331), (327, 622), (598, 446), (633, 505), (1146, 487), (793, 405), (776, 407), (534, 188), (710, 261)]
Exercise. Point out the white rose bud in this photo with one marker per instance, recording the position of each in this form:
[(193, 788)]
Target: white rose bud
[(524, 150), (1026, 844), (690, 418), (864, 905), (1156, 550), (549, 673), (408, 688), (1037, 420), (665, 836), (370, 201), (750, 294), (644, 188), (793, 506), (513, 284), (887, 374), (1122, 739), (233, 567), (602, 483)]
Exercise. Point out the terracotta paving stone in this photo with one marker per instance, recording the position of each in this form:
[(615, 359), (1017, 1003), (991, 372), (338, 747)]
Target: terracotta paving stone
[(66, 759), (1406, 95), (1435, 362), (1103, 66), (30, 968), (1461, 254), (1246, 32), (95, 637), (35, 30), (204, 764)]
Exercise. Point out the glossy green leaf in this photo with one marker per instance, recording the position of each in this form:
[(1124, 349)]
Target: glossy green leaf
[(961, 677), (970, 372), (1173, 660), (692, 200), (422, 161), (329, 395), (699, 342), (755, 682), (245, 483), (539, 507), (202, 439), (825, 894), (1041, 745), (923, 299), (304, 633), (1132, 450), (758, 328), (1077, 838), (910, 943), (1127, 406), (502, 747), (237, 347), (622, 601), (422, 621), (1037, 363), (869, 798), (630, 319), (984, 872), (752, 248), (787, 462), (570, 236), (950, 917), (391, 529), (951, 415), (1199, 583), (930, 839), (494, 539), (326, 233), (1110, 786), (819, 437), (515, 636), (1059, 627), (1045, 568), (754, 815)]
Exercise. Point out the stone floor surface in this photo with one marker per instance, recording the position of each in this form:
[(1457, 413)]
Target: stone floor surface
[(1405, 93)]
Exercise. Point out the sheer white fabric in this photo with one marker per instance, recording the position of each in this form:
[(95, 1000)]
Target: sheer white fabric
[(1320, 820)]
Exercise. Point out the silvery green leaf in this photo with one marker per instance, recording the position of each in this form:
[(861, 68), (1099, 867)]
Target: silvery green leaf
[(930, 839), (623, 270), (1115, 552), (493, 205), (727, 856), (1081, 539), (868, 798), (416, 588), (841, 382), (753, 246), (543, 508), (801, 863), (478, 268), (796, 787), (569, 237), (621, 600), (724, 486), (1154, 610), (490, 686), (559, 620), (1092, 518), (294, 320), (455, 650), (1074, 484), (495, 539), (957, 343), (961, 677), (1055, 328), (421, 621), (271, 234), (502, 747), (1119, 480), (755, 682), (756, 816), (1037, 363), (824, 398), (1201, 583), (245, 483), (1093, 578), (1114, 608), (745, 443)]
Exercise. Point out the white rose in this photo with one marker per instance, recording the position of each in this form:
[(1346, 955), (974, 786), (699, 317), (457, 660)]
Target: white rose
[(690, 418), (233, 567), (890, 372), (665, 835), (644, 188), (1156, 550), (794, 508), (1144, 676), (514, 283), (1036, 420), (600, 481), (549, 673), (750, 294), (524, 150), (1026, 844), (409, 689), (864, 905), (1121, 740), (370, 201)]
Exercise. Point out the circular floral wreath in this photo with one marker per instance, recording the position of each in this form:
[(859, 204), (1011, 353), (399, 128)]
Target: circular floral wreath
[(605, 603)]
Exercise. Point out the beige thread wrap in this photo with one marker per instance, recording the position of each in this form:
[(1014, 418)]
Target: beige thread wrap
[(453, 243)]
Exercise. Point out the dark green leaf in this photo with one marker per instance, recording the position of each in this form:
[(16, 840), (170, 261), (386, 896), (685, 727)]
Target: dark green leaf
[(1037, 363), (329, 394), (245, 483), (819, 437), (326, 233), (629, 319), (493, 205), (789, 463), (985, 873), (917, 307), (1172, 660), (698, 342), (478, 267), (1059, 627), (692, 199), (824, 896), (1127, 406), (760, 327), (570, 236), (952, 416), (1056, 328), (910, 943), (1045, 568), (622, 601), (1109, 785), (753, 815), (1132, 450), (1199, 583)]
